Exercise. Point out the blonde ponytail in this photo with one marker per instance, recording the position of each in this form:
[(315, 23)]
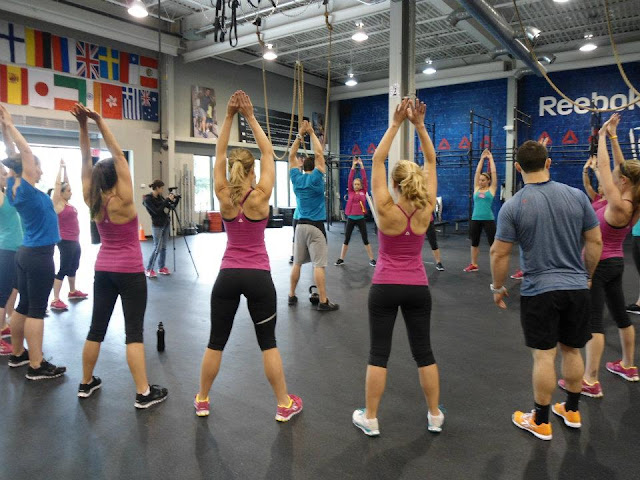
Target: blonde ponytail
[(241, 162), (412, 181)]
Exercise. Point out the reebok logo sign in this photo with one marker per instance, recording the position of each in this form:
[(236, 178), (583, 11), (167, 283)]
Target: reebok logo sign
[(554, 106)]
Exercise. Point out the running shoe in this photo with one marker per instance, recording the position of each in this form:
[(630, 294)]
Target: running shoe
[(6, 331), (628, 373), (5, 348), (571, 419), (435, 423), (339, 262), (77, 295), (327, 306), (164, 271), (202, 407), (284, 414), (45, 371), (368, 425), (440, 267), (150, 273), (588, 390), (85, 390), (156, 395), (633, 308), (292, 301), (526, 421), (372, 262), (19, 360), (471, 268), (518, 275), (59, 305)]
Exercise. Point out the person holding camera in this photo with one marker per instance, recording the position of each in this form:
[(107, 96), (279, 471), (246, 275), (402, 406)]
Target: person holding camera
[(157, 206)]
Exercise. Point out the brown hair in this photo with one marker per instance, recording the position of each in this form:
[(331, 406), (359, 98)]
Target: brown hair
[(241, 162), (412, 182), (531, 156), (103, 178), (631, 170)]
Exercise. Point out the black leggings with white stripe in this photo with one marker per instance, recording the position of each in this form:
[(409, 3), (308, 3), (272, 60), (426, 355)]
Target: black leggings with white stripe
[(257, 286)]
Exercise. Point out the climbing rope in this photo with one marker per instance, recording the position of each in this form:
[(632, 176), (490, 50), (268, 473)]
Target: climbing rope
[(326, 107)]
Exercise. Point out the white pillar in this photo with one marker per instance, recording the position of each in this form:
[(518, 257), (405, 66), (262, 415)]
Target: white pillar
[(512, 98)]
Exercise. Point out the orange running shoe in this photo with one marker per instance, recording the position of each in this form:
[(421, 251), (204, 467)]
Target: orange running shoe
[(526, 421), (571, 419)]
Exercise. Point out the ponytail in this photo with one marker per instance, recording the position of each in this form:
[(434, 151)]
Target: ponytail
[(103, 178), (412, 181), (241, 162)]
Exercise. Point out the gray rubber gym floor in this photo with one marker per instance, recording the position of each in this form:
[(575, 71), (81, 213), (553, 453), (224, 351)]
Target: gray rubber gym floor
[(48, 433)]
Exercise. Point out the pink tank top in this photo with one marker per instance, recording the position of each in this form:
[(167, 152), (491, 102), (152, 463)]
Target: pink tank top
[(612, 238), (68, 223), (245, 242), (400, 258), (120, 250), (598, 202)]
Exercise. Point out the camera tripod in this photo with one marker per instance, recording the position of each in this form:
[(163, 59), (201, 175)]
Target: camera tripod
[(169, 225)]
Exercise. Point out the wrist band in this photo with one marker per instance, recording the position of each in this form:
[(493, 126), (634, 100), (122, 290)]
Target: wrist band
[(613, 137), (494, 290)]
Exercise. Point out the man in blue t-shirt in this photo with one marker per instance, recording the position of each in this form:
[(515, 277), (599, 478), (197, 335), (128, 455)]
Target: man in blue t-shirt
[(552, 222), (310, 244)]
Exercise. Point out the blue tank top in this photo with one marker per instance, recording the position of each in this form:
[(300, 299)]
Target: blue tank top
[(482, 202), (10, 227), (39, 219), (635, 231)]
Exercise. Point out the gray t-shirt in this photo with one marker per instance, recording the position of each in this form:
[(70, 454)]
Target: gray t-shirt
[(548, 220)]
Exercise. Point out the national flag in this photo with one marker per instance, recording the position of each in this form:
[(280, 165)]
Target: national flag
[(14, 85), (64, 54), (41, 89), (129, 68), (131, 103), (87, 62), (111, 101), (109, 63), (12, 43), (38, 48), (148, 72), (149, 105), (94, 96), (67, 91)]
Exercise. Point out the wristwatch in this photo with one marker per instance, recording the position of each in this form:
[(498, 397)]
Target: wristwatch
[(495, 291)]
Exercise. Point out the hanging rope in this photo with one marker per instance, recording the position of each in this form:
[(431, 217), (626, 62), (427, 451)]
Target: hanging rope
[(553, 85), (326, 107), (615, 51)]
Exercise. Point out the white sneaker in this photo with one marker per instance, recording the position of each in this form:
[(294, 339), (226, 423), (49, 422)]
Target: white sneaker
[(435, 422), (368, 425)]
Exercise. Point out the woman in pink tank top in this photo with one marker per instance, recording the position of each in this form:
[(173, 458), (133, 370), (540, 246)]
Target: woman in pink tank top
[(108, 191), (622, 191), (245, 266), (400, 280), (69, 245)]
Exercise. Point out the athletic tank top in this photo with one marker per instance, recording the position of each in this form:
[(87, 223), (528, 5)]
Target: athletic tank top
[(400, 258), (68, 223), (10, 227), (635, 231), (245, 242), (598, 202), (482, 206), (612, 238), (120, 250)]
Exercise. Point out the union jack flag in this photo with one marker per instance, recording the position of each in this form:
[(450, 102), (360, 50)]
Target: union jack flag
[(88, 64), (145, 98)]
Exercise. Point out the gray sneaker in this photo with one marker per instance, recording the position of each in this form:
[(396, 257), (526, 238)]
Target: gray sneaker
[(327, 306)]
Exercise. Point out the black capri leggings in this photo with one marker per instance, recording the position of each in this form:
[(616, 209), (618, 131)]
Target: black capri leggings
[(636, 252), (415, 303), (35, 272), (362, 226), (257, 287), (431, 236), (606, 287), (132, 290), (70, 252), (475, 230), (8, 279)]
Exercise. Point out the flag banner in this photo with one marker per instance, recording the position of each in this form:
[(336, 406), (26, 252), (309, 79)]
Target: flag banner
[(111, 101), (129, 68), (148, 72), (64, 54), (131, 103), (13, 48), (67, 91), (149, 105), (109, 63), (14, 85), (38, 46), (87, 61), (41, 89), (94, 96)]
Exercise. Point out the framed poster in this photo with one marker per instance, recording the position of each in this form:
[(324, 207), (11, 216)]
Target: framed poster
[(280, 123), (318, 125), (203, 105)]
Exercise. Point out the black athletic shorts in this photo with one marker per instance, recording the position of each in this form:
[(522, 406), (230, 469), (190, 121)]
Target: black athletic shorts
[(559, 316), (8, 275)]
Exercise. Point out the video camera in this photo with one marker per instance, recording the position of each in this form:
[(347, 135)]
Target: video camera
[(176, 197)]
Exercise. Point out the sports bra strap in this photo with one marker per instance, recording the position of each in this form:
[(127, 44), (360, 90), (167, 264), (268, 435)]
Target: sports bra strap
[(244, 199), (405, 213)]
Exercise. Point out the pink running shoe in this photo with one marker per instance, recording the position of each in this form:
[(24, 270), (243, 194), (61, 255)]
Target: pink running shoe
[(518, 275), (5, 348), (151, 273), (6, 331), (593, 391), (58, 305), (164, 271), (202, 407), (77, 295), (471, 268), (284, 414), (628, 373)]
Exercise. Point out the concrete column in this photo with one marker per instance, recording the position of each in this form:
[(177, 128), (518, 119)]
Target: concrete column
[(512, 102)]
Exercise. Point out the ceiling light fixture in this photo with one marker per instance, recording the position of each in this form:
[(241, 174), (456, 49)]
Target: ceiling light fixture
[(138, 9), (360, 35), (351, 82), (429, 70), (270, 52), (561, 1), (532, 32), (589, 46)]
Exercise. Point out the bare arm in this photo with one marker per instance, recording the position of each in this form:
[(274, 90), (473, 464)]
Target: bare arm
[(293, 154), (220, 167), (494, 174), (9, 147), (476, 178), (29, 166), (611, 126), (80, 112), (500, 256), (592, 249), (586, 181), (416, 113), (317, 148), (58, 203), (618, 211)]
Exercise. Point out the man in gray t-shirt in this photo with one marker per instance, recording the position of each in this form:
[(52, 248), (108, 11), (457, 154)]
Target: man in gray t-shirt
[(552, 222)]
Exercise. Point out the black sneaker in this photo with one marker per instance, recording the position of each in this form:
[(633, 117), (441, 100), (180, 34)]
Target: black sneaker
[(440, 267), (157, 394), (293, 301), (45, 371), (372, 263), (327, 306), (339, 262), (20, 360), (86, 389), (633, 308), (291, 260)]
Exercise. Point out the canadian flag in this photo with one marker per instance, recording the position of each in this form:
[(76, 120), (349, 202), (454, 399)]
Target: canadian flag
[(41, 89), (148, 72)]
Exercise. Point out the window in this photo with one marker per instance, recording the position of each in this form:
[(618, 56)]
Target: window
[(202, 171), (282, 182)]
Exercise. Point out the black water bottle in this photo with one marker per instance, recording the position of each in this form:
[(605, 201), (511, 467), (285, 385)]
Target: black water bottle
[(160, 337)]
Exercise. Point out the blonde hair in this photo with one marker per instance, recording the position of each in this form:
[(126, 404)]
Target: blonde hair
[(631, 170), (241, 162), (412, 182)]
